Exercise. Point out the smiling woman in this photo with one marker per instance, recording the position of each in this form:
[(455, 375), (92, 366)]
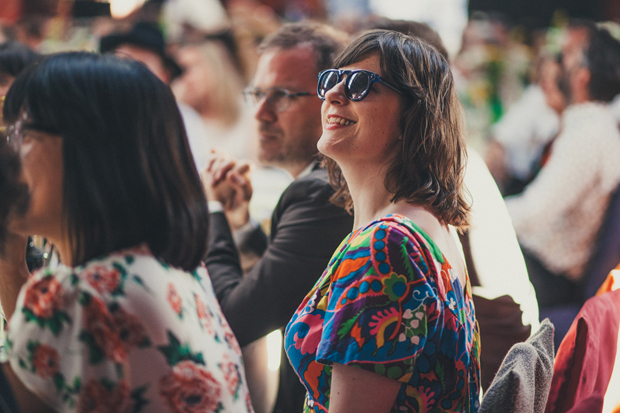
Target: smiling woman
[(390, 325), (131, 319)]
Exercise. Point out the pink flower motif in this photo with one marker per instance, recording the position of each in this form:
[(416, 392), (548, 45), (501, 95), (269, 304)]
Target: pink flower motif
[(103, 279), (102, 326), (97, 398), (203, 315), (310, 342), (44, 297), (189, 388), (46, 361), (129, 328), (174, 299), (231, 374)]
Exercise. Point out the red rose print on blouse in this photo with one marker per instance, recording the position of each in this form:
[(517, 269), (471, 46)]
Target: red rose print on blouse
[(103, 396), (174, 299), (189, 388), (46, 361), (129, 328), (102, 327), (231, 374), (203, 314), (103, 279), (44, 297)]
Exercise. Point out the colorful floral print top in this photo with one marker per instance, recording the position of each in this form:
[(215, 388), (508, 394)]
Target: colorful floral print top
[(390, 303), (126, 334)]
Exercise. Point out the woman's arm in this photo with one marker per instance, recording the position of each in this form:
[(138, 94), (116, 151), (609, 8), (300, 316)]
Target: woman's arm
[(13, 275), (357, 390), (13, 272)]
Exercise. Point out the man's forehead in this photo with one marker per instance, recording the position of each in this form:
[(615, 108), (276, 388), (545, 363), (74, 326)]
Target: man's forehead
[(293, 68)]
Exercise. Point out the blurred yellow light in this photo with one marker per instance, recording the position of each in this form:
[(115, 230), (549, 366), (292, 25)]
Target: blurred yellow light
[(122, 8), (274, 350)]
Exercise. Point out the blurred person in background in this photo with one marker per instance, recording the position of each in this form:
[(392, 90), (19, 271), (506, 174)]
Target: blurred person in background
[(130, 321), (14, 58), (305, 227), (519, 137), (558, 215), (212, 85), (490, 72), (145, 44)]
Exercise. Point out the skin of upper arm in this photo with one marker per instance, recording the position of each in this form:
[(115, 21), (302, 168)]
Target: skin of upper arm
[(356, 390), (27, 401)]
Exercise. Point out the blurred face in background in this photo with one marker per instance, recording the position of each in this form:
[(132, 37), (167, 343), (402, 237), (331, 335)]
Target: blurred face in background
[(6, 81), (549, 76), (287, 139), (196, 82), (573, 47), (147, 57)]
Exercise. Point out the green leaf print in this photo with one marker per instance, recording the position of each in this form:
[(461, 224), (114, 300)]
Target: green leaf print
[(55, 322), (59, 381), (176, 352), (348, 325), (95, 353), (139, 401)]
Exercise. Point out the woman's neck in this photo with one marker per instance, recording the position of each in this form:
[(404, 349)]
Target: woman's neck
[(371, 200), (367, 188)]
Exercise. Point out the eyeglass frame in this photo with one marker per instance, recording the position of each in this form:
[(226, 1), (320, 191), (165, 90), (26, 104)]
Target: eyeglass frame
[(372, 76), (248, 93)]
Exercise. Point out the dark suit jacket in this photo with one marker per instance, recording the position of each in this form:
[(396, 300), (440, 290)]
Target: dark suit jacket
[(306, 229)]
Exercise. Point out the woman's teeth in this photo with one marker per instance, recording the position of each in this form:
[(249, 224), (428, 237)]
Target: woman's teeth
[(340, 121)]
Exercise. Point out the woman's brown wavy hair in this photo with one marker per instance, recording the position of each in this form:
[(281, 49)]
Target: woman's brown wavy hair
[(428, 169)]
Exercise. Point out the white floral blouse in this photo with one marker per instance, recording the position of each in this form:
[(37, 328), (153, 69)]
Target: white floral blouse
[(126, 333)]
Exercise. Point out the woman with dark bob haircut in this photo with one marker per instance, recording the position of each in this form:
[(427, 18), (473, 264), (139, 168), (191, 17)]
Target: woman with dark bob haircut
[(129, 322), (390, 325)]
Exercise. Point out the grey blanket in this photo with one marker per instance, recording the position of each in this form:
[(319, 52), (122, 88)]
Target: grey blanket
[(524, 378)]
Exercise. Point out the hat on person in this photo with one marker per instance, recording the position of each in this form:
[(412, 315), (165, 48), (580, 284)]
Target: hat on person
[(145, 35)]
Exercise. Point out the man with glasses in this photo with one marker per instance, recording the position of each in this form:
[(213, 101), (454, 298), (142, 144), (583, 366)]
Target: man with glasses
[(306, 227)]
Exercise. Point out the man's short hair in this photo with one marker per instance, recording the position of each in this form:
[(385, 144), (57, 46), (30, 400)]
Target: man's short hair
[(326, 41), (15, 57), (602, 58)]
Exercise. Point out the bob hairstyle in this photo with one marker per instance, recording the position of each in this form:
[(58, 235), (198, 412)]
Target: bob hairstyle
[(129, 176), (428, 169), (14, 197)]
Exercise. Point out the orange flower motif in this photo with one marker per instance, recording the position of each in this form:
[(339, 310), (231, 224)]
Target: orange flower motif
[(44, 297), (46, 361), (203, 315), (103, 279), (102, 326), (230, 338), (231, 374), (129, 327), (174, 299), (189, 388), (97, 398)]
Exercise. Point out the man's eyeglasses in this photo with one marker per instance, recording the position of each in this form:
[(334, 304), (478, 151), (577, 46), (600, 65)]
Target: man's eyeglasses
[(279, 99), (356, 86)]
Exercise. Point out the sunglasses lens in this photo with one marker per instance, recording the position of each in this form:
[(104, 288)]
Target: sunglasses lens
[(328, 80), (357, 86)]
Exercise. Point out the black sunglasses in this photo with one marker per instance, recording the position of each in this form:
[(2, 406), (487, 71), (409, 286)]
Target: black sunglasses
[(356, 85)]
